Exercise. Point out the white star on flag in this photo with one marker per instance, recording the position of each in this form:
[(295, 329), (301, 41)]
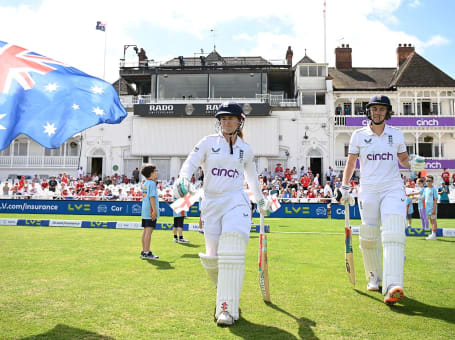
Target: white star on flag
[(97, 90), (75, 107), (51, 87), (98, 111), (49, 129), (1, 126)]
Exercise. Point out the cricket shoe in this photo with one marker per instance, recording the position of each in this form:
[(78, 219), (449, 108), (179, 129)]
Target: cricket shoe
[(374, 283), (431, 237), (225, 319), (176, 240), (393, 295), (151, 256), (183, 240)]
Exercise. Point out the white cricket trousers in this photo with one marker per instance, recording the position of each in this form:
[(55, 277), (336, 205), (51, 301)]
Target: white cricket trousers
[(230, 212)]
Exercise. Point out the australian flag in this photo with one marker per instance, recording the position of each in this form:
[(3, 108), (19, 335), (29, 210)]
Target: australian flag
[(48, 100), (100, 26)]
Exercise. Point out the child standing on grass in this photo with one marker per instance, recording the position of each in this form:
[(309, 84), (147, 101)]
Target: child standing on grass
[(150, 209), (431, 206), (178, 227), (421, 203)]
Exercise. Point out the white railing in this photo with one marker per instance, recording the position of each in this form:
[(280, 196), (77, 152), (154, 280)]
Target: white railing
[(39, 161)]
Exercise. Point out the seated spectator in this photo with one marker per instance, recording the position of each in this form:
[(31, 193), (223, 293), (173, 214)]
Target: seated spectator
[(44, 184), (107, 180), (347, 110), (446, 176), (36, 179), (279, 170), (305, 181), (168, 197), (443, 192), (302, 171), (6, 189), (53, 184), (293, 193), (316, 180), (64, 178)]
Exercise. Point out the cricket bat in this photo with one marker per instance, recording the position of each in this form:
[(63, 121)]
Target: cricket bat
[(349, 256), (263, 264)]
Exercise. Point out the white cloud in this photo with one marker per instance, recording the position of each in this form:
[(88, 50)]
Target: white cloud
[(65, 30), (435, 40), (414, 3), (243, 36)]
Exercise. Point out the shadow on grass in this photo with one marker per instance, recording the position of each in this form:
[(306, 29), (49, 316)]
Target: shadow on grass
[(160, 264), (413, 307), (190, 256), (248, 330), (67, 332), (445, 240), (190, 245)]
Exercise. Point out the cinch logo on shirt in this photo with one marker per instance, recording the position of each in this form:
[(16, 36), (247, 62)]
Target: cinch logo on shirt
[(225, 172), (385, 156)]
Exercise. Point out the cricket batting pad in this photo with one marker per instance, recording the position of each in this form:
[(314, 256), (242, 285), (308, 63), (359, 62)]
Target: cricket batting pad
[(231, 269), (210, 264), (370, 245), (393, 241)]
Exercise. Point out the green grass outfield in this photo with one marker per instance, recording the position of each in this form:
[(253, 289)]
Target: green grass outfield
[(73, 283)]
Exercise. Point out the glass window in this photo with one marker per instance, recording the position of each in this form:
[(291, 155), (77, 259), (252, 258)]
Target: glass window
[(20, 149), (320, 98), (321, 71), (308, 98), (346, 149), (54, 152), (304, 71), (181, 86), (407, 108), (243, 85), (313, 71), (264, 83), (410, 149), (72, 149), (435, 108)]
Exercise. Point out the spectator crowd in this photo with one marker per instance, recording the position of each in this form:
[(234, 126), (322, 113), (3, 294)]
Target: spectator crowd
[(289, 185)]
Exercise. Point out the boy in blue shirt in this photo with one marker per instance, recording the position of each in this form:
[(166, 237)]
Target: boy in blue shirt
[(430, 195), (150, 209)]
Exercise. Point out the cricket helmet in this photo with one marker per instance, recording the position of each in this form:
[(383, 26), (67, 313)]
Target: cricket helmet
[(230, 109), (380, 99)]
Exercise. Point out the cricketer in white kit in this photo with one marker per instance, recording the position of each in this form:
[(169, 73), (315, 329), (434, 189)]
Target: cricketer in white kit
[(227, 161), (382, 201)]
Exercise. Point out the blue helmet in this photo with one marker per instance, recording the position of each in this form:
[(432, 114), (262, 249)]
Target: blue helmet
[(230, 109), (380, 99)]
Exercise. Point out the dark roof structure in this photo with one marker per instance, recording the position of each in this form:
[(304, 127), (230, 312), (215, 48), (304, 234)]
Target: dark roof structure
[(215, 59), (414, 72), (417, 71), (361, 78)]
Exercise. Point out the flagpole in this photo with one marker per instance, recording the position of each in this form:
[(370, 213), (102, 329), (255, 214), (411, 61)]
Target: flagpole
[(104, 62), (325, 35)]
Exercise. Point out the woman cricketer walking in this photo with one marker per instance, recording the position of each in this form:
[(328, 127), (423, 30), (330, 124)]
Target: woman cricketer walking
[(227, 161), (382, 200)]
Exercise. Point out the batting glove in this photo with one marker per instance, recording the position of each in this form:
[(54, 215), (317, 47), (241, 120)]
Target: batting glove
[(346, 197), (417, 163), (182, 186), (264, 206)]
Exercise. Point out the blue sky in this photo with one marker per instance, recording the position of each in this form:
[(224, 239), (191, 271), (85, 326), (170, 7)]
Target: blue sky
[(65, 30)]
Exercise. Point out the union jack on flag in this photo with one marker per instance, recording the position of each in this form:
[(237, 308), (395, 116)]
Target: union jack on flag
[(100, 26), (48, 100)]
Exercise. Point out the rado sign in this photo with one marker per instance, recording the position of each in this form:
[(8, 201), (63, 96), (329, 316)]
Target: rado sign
[(195, 110)]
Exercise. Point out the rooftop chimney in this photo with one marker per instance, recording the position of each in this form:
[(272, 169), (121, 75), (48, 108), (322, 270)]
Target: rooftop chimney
[(343, 57), (289, 55), (403, 52)]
